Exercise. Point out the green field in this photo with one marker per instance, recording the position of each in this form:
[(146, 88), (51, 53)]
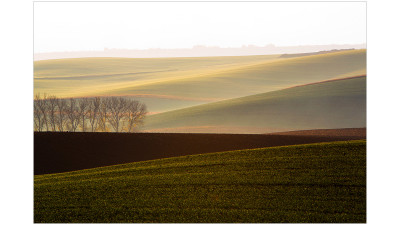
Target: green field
[(333, 104), (304, 183), (166, 84)]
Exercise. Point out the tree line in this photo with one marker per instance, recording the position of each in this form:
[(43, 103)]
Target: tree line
[(97, 114)]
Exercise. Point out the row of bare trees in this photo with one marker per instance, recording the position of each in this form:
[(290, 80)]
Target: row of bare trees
[(98, 114)]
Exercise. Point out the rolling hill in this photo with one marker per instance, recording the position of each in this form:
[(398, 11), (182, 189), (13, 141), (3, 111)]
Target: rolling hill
[(166, 84), (338, 103), (314, 183), (94, 75), (259, 78)]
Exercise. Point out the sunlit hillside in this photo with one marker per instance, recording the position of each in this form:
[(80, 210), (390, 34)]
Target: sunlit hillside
[(334, 104), (259, 78), (166, 84), (97, 75)]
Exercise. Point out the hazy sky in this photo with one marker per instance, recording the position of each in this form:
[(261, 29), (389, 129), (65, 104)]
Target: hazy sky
[(81, 26)]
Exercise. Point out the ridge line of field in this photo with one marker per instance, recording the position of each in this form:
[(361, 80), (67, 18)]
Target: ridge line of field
[(324, 81)]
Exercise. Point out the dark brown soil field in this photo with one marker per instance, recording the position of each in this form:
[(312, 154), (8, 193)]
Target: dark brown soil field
[(56, 152)]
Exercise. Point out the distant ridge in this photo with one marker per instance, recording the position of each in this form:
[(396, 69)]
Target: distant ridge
[(326, 81), (196, 51), (344, 132), (313, 53)]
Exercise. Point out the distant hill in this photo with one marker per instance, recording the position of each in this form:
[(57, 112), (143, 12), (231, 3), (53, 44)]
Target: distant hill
[(196, 51), (166, 84), (107, 76), (324, 105), (271, 75)]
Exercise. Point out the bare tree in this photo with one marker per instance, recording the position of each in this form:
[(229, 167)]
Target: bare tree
[(117, 107), (43, 107), (136, 112), (83, 106), (93, 112), (37, 113), (103, 115), (51, 109), (36, 117), (61, 118), (72, 115)]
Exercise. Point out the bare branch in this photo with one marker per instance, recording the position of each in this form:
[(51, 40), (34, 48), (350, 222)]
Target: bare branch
[(61, 117), (72, 115), (103, 115), (83, 106), (136, 112), (42, 105), (52, 104), (117, 107), (37, 113), (94, 108)]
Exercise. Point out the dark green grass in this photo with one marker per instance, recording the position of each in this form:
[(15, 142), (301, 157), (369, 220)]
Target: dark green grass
[(294, 184)]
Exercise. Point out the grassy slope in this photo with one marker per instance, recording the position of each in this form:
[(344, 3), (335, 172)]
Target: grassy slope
[(185, 82), (304, 183), (263, 77), (93, 75), (333, 104)]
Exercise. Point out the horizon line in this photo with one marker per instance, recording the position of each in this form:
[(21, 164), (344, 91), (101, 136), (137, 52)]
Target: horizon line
[(195, 51)]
